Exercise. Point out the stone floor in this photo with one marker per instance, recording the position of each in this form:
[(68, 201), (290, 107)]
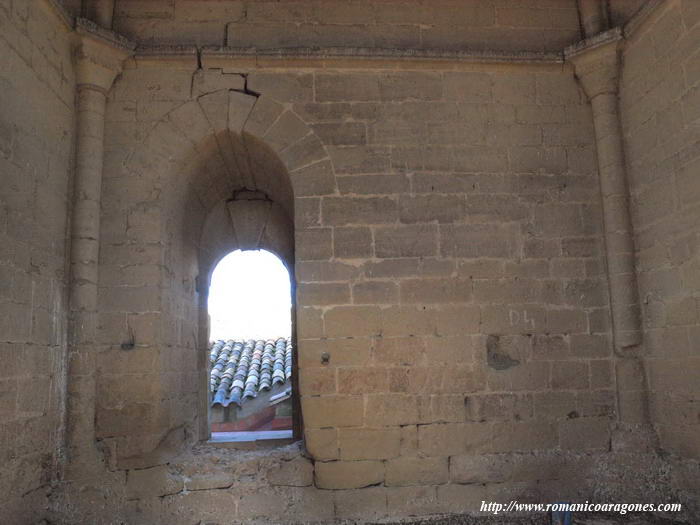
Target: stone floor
[(579, 519)]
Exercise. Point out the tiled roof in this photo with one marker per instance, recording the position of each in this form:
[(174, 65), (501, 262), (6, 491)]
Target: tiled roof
[(242, 369)]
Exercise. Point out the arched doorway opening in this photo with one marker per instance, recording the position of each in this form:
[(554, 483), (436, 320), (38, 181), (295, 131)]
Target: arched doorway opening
[(218, 173), (251, 349)]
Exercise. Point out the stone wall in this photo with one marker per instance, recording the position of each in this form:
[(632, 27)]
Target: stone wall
[(532, 25), (622, 10), (448, 259), (660, 102), (272, 486), (36, 134), (453, 323), (456, 278)]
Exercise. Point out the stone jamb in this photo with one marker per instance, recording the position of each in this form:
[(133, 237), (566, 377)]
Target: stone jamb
[(246, 240)]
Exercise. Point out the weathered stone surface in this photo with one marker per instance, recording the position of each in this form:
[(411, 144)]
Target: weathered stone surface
[(297, 472), (362, 504), (416, 471), (337, 411), (348, 474), (457, 341), (322, 443), (357, 444), (156, 481), (348, 321)]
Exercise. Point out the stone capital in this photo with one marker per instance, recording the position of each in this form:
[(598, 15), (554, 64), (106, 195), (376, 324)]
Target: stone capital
[(98, 54), (596, 62)]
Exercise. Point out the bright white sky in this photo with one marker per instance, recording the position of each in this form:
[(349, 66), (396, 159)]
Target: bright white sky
[(250, 297)]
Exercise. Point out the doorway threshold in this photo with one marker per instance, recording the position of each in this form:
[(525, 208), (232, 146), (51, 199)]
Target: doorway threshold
[(252, 439)]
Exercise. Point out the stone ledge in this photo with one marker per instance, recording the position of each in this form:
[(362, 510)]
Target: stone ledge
[(615, 33), (599, 40), (266, 444), (83, 26), (367, 58), (333, 57), (180, 57)]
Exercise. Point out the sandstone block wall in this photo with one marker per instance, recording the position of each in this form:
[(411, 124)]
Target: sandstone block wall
[(533, 25), (459, 291), (36, 133), (620, 11), (660, 103), (453, 322), (448, 259)]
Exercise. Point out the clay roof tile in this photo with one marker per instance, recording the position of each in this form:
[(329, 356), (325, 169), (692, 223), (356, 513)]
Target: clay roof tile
[(241, 369)]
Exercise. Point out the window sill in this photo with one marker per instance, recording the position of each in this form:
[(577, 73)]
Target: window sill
[(252, 440)]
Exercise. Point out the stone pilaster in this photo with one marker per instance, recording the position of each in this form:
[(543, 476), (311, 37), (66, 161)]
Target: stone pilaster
[(98, 57), (597, 68), (593, 15)]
